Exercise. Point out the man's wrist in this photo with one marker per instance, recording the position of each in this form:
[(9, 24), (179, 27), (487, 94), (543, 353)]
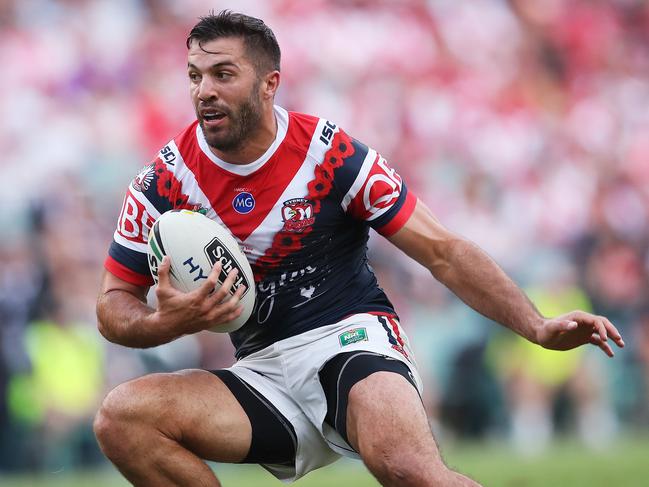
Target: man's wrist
[(536, 326), (158, 326)]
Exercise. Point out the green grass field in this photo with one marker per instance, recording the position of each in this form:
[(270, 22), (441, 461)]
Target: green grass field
[(623, 464)]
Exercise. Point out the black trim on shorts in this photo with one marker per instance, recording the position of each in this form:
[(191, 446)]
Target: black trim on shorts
[(344, 370), (273, 437)]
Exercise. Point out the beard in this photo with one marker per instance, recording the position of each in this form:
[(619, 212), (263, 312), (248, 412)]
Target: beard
[(243, 121)]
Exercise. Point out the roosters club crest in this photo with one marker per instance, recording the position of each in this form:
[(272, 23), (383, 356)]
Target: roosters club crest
[(297, 214)]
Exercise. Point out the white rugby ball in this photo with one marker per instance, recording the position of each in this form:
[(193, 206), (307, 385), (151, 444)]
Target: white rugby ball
[(194, 243)]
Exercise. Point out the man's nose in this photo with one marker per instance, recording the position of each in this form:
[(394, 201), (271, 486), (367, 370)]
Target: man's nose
[(207, 89)]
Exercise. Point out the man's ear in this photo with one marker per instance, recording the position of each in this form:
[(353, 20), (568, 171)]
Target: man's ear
[(270, 84)]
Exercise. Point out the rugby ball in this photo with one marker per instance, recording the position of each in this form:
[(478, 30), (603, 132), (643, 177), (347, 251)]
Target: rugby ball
[(195, 243)]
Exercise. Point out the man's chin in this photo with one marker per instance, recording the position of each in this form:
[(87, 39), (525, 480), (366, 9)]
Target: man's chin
[(209, 130), (221, 144), (214, 136)]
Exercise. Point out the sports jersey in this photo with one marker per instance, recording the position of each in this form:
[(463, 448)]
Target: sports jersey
[(301, 214)]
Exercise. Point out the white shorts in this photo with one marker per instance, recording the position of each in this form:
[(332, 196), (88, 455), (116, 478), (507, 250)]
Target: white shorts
[(286, 373)]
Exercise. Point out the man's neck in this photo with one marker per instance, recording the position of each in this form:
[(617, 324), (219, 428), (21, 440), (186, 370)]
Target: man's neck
[(256, 146)]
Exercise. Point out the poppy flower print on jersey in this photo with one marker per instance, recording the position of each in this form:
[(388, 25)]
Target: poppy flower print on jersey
[(320, 186), (180, 201), (290, 242), (285, 241), (324, 173), (170, 188), (165, 181)]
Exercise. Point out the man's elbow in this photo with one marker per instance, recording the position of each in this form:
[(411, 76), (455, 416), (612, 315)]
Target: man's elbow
[(104, 331), (443, 256), (102, 324), (107, 313)]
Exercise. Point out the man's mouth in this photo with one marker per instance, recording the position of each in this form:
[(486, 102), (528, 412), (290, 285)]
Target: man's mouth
[(212, 116)]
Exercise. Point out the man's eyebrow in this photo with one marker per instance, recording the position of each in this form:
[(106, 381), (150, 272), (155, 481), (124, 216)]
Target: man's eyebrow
[(215, 66)]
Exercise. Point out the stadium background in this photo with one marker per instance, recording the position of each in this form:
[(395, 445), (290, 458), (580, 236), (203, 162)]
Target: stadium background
[(522, 124)]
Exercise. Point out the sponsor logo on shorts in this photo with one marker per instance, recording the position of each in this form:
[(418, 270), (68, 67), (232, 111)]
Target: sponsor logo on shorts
[(353, 336)]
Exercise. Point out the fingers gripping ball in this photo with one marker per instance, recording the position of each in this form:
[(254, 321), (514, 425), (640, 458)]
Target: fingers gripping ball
[(194, 244)]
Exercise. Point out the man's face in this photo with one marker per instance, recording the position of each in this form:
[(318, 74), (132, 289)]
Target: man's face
[(224, 87)]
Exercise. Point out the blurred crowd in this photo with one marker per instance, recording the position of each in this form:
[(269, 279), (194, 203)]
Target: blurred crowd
[(522, 124)]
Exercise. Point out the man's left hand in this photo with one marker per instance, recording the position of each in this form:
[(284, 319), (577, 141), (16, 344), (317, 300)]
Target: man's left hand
[(578, 328)]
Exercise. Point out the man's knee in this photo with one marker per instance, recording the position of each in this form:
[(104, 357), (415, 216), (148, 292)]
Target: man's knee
[(124, 412)]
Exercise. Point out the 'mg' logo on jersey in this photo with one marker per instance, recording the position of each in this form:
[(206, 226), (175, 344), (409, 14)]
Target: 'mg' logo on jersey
[(243, 203)]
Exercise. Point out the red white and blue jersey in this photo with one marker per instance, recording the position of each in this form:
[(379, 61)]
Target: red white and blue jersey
[(301, 213)]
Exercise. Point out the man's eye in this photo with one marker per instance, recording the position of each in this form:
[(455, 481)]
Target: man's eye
[(223, 76), (194, 76)]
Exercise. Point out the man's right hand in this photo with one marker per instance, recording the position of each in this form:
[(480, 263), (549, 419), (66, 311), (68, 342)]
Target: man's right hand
[(197, 310)]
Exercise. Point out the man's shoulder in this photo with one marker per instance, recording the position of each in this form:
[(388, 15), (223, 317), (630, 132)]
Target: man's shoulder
[(311, 123), (324, 130), (303, 117)]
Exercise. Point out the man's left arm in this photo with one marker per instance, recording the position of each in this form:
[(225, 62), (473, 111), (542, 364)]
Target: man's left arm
[(476, 279)]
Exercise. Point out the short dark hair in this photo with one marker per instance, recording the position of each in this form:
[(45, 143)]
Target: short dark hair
[(259, 40)]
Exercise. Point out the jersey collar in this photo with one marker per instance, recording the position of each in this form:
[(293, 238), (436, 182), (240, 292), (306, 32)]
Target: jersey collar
[(281, 116)]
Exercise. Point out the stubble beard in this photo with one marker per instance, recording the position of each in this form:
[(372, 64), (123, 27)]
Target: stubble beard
[(242, 124)]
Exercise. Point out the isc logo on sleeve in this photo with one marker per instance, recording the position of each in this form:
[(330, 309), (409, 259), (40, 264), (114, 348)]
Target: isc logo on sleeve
[(243, 203)]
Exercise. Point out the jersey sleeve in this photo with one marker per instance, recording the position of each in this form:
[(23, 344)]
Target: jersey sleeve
[(372, 191), (147, 197)]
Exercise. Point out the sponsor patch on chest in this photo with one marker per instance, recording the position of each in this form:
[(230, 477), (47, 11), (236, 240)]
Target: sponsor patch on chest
[(243, 202)]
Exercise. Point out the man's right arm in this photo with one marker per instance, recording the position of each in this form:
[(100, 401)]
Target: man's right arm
[(125, 318)]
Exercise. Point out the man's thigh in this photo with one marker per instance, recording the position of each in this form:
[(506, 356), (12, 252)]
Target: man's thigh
[(273, 440), (387, 425), (212, 414), (342, 372), (386, 407)]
